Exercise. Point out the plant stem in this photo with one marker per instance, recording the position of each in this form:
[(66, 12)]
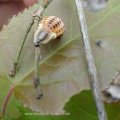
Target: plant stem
[(36, 79), (6, 100), (37, 18), (23, 42), (94, 82)]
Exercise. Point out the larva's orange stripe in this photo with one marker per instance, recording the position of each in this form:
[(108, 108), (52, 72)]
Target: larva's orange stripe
[(53, 24)]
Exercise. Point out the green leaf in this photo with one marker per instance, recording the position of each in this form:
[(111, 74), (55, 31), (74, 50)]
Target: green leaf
[(63, 70), (58, 58), (82, 106)]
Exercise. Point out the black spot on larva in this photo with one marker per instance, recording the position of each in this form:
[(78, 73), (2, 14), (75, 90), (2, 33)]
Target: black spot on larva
[(53, 19), (49, 26), (44, 21), (46, 36), (49, 22), (54, 26), (58, 23)]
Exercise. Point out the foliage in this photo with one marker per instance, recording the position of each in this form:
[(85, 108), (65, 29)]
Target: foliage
[(63, 69)]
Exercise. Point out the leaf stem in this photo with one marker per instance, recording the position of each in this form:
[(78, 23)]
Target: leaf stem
[(6, 100), (23, 42), (94, 82)]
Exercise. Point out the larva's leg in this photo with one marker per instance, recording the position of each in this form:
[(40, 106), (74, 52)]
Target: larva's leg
[(59, 37), (36, 79), (12, 71)]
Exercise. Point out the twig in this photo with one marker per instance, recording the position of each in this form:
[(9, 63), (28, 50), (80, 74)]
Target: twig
[(94, 82)]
